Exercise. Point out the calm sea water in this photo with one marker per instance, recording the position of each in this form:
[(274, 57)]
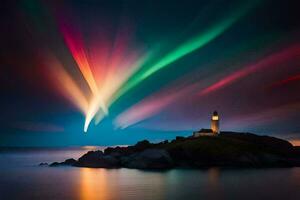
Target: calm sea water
[(22, 178)]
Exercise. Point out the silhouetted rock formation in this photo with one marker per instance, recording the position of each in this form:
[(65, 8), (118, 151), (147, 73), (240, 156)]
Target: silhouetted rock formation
[(148, 159), (43, 164), (97, 159), (228, 149), (67, 162)]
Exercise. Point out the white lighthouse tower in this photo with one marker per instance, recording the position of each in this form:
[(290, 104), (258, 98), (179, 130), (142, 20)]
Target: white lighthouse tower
[(215, 123)]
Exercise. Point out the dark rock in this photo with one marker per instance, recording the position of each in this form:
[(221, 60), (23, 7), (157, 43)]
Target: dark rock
[(117, 151), (68, 162), (228, 149), (109, 150), (149, 159), (163, 142), (97, 159), (43, 164), (55, 164), (142, 145), (265, 141), (180, 138)]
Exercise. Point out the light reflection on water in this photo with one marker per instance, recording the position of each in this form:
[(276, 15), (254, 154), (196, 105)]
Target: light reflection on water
[(121, 183), (93, 184), (19, 179)]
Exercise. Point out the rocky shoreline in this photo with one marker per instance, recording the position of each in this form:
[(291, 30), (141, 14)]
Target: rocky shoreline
[(228, 149)]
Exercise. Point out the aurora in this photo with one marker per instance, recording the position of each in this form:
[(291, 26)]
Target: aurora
[(105, 91), (121, 72)]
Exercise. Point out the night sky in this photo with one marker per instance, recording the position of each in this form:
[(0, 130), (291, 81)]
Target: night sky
[(114, 72)]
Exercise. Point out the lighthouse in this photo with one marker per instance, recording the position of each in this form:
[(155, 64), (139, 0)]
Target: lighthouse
[(215, 123), (213, 131)]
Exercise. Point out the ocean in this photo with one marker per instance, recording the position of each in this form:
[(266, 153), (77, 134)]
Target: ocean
[(22, 178)]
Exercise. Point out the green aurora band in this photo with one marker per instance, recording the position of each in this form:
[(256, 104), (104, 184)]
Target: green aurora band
[(186, 48)]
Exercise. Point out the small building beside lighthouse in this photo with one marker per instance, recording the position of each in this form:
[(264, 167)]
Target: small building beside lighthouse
[(215, 127)]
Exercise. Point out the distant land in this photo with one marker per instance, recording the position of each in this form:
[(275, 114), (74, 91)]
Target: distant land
[(228, 150)]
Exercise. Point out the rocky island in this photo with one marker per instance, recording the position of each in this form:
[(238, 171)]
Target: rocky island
[(228, 149)]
